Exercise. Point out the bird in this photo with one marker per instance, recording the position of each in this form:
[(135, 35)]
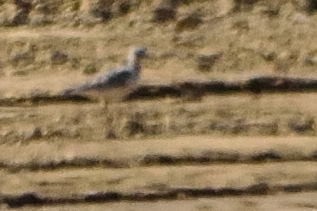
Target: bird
[(115, 84)]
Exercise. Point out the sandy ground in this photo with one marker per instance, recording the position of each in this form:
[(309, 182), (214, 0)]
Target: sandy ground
[(217, 145)]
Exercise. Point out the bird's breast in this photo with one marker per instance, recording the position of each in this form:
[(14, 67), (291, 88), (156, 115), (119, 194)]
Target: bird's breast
[(112, 94)]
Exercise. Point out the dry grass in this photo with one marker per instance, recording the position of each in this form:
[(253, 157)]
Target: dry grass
[(66, 149), (250, 41), (270, 114)]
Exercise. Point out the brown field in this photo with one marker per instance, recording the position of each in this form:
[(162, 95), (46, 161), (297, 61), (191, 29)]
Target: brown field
[(237, 151)]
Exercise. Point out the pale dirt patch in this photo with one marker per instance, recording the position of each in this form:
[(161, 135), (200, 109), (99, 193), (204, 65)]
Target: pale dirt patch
[(169, 151), (70, 181)]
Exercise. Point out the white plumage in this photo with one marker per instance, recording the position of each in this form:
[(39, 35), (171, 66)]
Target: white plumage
[(115, 84)]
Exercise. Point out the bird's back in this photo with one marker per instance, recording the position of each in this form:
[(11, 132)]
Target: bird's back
[(115, 81)]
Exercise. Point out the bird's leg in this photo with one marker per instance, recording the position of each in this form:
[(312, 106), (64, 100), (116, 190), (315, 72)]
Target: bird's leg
[(108, 119), (104, 105)]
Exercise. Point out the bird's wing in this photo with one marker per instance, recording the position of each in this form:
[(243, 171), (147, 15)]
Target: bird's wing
[(113, 79)]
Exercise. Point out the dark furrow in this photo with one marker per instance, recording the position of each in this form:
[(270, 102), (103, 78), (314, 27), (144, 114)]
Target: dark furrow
[(188, 89), (34, 199), (159, 159)]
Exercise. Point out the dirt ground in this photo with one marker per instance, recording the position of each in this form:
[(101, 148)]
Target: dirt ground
[(238, 151)]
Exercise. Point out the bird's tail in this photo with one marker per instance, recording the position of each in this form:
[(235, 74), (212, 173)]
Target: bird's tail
[(69, 92), (74, 91)]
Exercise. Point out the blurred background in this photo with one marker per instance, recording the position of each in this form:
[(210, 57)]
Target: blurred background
[(215, 152)]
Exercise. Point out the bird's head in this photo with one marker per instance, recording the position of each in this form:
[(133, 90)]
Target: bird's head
[(136, 55), (140, 52)]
